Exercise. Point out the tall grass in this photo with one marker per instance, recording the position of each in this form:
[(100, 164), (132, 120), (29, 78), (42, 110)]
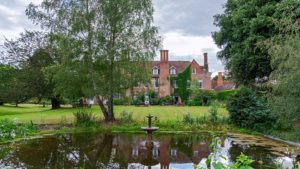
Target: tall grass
[(83, 118)]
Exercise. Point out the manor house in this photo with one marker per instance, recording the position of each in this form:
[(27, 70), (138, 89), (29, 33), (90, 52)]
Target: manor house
[(163, 70)]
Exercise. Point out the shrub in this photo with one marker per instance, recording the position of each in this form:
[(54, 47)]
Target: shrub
[(84, 118), (141, 97), (188, 119), (1, 103), (225, 94), (118, 102), (152, 94), (246, 110), (9, 129), (194, 103), (126, 117), (204, 95), (168, 98), (154, 102), (213, 111)]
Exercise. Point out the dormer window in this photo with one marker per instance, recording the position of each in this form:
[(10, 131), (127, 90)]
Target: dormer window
[(173, 71), (194, 71), (155, 71)]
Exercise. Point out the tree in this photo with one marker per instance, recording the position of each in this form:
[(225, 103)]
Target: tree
[(101, 42), (33, 52), (13, 87), (285, 80), (243, 25)]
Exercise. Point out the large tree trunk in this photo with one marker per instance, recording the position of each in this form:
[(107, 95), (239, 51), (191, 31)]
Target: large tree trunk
[(55, 102)]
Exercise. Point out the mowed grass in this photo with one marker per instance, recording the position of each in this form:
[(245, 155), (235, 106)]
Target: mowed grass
[(44, 115)]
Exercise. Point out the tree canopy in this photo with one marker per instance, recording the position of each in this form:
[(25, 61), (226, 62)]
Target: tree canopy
[(243, 25), (102, 44)]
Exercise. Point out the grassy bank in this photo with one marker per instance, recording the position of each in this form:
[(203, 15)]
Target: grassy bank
[(39, 115)]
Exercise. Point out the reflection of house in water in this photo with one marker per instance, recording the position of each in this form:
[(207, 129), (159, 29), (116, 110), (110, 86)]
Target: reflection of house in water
[(165, 151)]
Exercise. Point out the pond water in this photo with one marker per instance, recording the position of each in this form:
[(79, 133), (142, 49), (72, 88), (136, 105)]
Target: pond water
[(100, 150)]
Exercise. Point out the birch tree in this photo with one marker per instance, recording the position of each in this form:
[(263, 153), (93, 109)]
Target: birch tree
[(101, 42)]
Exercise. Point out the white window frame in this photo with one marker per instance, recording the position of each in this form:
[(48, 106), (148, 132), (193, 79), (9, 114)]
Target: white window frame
[(200, 81), (173, 71), (155, 71), (194, 71)]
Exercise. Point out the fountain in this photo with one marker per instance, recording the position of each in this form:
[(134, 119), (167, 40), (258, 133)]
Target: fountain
[(149, 129)]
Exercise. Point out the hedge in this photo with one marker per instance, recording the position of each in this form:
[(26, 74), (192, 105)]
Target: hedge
[(225, 94)]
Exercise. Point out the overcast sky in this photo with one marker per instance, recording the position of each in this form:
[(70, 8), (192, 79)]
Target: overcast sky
[(185, 26)]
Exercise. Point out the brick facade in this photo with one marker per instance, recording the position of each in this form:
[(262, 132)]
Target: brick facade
[(164, 66)]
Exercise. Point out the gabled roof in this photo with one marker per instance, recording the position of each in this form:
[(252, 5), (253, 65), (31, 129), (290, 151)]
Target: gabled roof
[(228, 86)]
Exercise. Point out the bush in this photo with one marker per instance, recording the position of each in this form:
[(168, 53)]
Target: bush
[(225, 94), (213, 111), (152, 94), (154, 102), (206, 96), (126, 117), (246, 110), (1, 103), (188, 119), (118, 102), (141, 97), (168, 98), (194, 103), (84, 118), (9, 129)]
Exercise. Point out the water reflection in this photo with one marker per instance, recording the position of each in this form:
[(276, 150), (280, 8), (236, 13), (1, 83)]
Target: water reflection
[(96, 150)]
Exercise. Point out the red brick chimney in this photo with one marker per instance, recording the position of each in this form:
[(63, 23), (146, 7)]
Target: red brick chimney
[(205, 62), (164, 55), (220, 79)]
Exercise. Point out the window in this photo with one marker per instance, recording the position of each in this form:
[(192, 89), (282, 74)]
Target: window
[(194, 71), (173, 71), (188, 84), (175, 84), (200, 84), (155, 71), (173, 152), (156, 85), (146, 85), (196, 153)]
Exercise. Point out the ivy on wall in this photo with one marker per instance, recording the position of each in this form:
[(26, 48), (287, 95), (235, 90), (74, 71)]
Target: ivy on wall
[(181, 81)]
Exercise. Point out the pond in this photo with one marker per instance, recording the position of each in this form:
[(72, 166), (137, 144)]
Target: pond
[(102, 150)]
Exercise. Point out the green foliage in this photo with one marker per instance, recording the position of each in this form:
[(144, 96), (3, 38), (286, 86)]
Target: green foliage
[(246, 110), (10, 130), (117, 36), (141, 97), (243, 25), (204, 95), (285, 80), (152, 94), (84, 118), (126, 117), (168, 98), (181, 81), (225, 94), (195, 102), (213, 111), (242, 161)]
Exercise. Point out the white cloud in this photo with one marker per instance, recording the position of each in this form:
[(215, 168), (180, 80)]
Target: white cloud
[(189, 47)]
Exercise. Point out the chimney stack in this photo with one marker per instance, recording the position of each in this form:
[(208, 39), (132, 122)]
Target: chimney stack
[(205, 62), (220, 79), (164, 55)]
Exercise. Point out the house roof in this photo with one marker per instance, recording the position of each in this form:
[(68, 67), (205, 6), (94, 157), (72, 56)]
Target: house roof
[(228, 86), (179, 65)]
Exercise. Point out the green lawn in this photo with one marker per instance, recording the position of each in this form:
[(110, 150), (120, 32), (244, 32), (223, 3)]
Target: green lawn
[(40, 115)]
